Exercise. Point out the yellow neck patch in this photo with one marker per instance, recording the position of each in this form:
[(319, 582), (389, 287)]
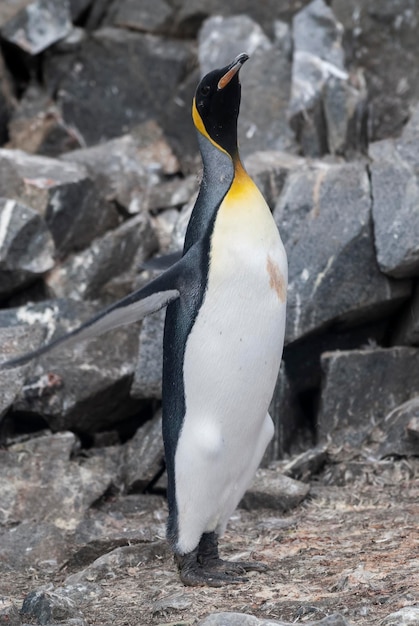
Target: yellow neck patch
[(199, 124)]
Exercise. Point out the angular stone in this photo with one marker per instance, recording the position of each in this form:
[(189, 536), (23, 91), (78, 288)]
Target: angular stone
[(130, 168), (64, 195), (240, 33), (271, 490), (141, 15), (324, 107), (83, 388), (381, 41), (26, 246), (305, 465), (38, 25), (7, 101), (49, 607), (145, 72), (39, 544), (288, 419), (72, 486), (84, 275), (144, 455), (395, 193), (407, 616), (109, 564), (400, 431), (147, 381), (269, 169), (339, 280), (375, 382), (12, 342), (37, 127), (192, 12), (263, 121)]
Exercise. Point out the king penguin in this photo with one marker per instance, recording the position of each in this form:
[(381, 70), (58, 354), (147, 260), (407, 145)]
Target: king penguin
[(223, 340)]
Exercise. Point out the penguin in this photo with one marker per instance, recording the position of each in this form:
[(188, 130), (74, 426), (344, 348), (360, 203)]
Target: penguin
[(223, 341)]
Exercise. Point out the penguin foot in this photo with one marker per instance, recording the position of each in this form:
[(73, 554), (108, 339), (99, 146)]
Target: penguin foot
[(195, 574), (210, 560)]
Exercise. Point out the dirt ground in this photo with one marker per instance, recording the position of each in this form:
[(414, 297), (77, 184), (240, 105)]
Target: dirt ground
[(351, 548)]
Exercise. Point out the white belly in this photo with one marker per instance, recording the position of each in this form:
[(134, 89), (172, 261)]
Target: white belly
[(232, 358)]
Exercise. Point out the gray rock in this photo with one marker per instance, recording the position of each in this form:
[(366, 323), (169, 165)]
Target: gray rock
[(85, 388), (84, 275), (147, 381), (263, 121), (64, 195), (288, 419), (135, 76), (192, 13), (400, 436), (143, 455), (78, 7), (269, 169), (406, 331), (381, 40), (109, 564), (324, 105), (271, 490), (49, 607), (26, 246), (407, 616), (12, 342), (141, 15), (307, 464), (7, 101), (39, 544), (36, 125), (130, 168), (172, 193), (29, 466), (375, 382), (176, 601), (9, 613), (339, 280), (99, 533), (38, 25), (395, 192), (240, 33)]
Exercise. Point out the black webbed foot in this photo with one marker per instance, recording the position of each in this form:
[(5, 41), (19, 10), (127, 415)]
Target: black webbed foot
[(209, 557), (194, 574), (203, 566)]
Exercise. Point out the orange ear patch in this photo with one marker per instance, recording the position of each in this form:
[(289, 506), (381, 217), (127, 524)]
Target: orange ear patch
[(276, 279)]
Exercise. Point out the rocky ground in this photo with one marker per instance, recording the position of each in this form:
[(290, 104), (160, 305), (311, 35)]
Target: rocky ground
[(99, 170)]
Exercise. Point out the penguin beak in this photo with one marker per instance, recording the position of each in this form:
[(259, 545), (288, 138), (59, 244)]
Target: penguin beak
[(232, 70)]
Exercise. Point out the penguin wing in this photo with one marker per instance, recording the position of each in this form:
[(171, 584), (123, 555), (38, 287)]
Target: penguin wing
[(162, 262), (134, 307)]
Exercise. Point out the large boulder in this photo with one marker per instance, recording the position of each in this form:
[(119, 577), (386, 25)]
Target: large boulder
[(324, 216), (325, 107), (26, 246), (84, 388), (395, 193), (135, 76), (63, 193), (374, 381)]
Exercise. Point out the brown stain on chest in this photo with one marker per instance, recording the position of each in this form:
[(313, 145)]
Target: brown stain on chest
[(276, 279)]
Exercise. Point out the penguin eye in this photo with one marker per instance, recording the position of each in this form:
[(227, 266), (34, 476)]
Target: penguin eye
[(205, 89)]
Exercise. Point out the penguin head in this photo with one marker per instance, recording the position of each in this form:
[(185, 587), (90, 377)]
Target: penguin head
[(216, 105)]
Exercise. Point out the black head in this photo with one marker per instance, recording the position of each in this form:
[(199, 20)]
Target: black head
[(216, 105)]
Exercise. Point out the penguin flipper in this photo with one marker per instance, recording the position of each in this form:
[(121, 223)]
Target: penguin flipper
[(162, 262), (134, 307)]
